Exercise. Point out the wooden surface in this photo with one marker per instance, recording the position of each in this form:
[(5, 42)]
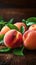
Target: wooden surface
[(29, 57), (18, 3), (18, 13)]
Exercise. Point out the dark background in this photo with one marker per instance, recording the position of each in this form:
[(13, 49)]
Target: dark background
[(17, 3), (17, 9)]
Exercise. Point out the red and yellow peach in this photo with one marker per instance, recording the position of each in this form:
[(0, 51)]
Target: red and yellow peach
[(29, 40), (19, 24), (32, 27), (5, 29), (13, 39)]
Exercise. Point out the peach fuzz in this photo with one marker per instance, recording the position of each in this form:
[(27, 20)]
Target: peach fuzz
[(5, 29), (19, 24), (13, 39), (29, 40), (32, 27)]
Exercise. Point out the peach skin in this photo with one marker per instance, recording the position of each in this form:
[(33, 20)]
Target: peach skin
[(19, 24), (29, 40), (32, 27), (5, 29), (13, 39)]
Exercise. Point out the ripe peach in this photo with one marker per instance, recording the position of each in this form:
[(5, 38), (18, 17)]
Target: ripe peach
[(19, 24), (5, 29), (32, 27), (13, 39), (29, 40)]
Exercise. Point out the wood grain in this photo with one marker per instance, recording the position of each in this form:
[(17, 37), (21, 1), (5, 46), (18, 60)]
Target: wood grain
[(10, 59), (18, 13)]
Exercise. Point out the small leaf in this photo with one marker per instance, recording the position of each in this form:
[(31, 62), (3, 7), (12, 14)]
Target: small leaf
[(1, 18), (1, 39), (5, 49), (30, 21), (24, 21), (11, 20), (2, 24), (22, 29), (1, 42), (12, 26), (18, 51)]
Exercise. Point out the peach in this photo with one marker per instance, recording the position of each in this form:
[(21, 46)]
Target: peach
[(13, 39), (29, 40), (32, 27), (19, 24), (5, 29)]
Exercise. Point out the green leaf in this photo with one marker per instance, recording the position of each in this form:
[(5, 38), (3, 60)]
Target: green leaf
[(30, 21), (5, 49), (18, 51), (24, 21), (1, 42), (22, 29), (11, 20), (2, 24), (1, 18), (12, 26), (1, 39)]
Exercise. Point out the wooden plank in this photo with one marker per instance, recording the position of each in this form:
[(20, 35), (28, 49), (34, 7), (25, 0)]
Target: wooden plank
[(18, 14)]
